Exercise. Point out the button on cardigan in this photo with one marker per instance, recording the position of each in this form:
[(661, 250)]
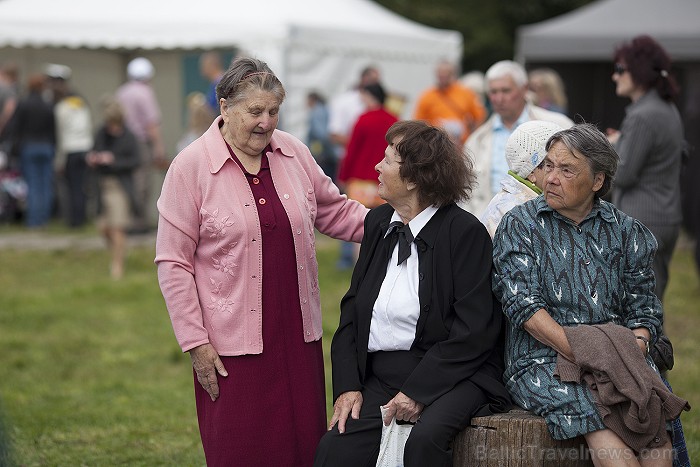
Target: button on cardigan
[(208, 248)]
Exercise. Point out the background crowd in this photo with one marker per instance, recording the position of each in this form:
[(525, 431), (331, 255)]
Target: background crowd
[(76, 166), (47, 129)]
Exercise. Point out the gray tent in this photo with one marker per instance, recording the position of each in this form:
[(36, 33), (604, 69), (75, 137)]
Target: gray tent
[(580, 46), (591, 32)]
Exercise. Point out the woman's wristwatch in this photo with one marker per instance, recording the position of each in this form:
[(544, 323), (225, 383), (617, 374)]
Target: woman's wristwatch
[(646, 343)]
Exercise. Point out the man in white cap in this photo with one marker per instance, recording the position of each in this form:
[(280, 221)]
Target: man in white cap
[(525, 151), (74, 138), (142, 116)]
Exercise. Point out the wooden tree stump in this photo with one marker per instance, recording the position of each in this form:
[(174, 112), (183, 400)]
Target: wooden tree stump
[(516, 439)]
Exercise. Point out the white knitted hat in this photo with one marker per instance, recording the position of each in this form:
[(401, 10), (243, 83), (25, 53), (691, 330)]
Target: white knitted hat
[(525, 146)]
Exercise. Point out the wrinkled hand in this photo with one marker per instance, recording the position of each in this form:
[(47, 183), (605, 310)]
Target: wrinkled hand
[(106, 158), (403, 408), (642, 346), (206, 364), (91, 159), (348, 403)]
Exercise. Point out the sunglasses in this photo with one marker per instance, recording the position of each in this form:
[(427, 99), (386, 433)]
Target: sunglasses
[(619, 69)]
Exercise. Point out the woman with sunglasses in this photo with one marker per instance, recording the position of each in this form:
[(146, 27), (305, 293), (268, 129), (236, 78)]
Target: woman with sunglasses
[(650, 144)]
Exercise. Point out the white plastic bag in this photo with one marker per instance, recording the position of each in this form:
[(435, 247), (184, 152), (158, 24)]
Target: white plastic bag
[(393, 441)]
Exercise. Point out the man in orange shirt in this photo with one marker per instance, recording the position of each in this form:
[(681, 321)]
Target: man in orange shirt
[(450, 105)]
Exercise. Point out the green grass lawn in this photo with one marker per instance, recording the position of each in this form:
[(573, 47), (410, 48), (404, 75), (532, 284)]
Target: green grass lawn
[(92, 374)]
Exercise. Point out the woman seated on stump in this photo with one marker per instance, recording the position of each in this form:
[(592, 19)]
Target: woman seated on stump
[(574, 275), (420, 329)]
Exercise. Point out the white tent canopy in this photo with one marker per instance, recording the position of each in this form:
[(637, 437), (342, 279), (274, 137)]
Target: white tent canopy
[(152, 24), (310, 44), (591, 32)]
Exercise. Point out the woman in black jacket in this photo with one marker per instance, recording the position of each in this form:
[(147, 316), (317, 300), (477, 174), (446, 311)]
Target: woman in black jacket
[(420, 330)]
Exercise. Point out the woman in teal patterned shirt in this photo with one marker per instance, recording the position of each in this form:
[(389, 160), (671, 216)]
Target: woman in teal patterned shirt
[(567, 258)]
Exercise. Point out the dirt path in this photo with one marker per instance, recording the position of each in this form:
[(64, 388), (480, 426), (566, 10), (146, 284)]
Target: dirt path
[(53, 241)]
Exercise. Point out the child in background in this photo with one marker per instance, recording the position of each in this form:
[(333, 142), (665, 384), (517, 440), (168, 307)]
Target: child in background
[(114, 157)]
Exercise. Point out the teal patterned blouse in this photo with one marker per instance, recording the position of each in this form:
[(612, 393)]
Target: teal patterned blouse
[(596, 272)]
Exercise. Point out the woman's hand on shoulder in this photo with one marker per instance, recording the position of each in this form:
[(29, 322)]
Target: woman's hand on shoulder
[(348, 403), (206, 364), (643, 336), (403, 408)]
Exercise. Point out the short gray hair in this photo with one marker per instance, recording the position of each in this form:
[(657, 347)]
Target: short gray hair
[(506, 68), (246, 74), (587, 140)]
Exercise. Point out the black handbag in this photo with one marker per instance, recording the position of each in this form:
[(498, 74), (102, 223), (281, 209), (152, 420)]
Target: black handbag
[(662, 353)]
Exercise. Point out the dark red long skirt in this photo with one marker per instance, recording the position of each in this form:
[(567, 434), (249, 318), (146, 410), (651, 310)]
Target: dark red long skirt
[(271, 410)]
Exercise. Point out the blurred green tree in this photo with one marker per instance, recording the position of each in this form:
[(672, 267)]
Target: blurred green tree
[(488, 27)]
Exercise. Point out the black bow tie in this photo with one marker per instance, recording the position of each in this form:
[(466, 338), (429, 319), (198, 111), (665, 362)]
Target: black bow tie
[(405, 239)]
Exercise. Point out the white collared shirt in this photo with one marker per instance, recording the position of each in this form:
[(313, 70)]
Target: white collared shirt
[(396, 310)]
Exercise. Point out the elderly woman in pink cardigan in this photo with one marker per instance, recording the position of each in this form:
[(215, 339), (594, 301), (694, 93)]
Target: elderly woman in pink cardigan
[(237, 268)]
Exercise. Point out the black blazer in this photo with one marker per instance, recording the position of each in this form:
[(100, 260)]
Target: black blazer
[(459, 333)]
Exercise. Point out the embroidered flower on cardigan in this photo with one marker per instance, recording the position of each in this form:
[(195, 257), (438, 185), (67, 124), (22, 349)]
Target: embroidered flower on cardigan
[(225, 264), (216, 227), (222, 305), (223, 261), (216, 286)]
